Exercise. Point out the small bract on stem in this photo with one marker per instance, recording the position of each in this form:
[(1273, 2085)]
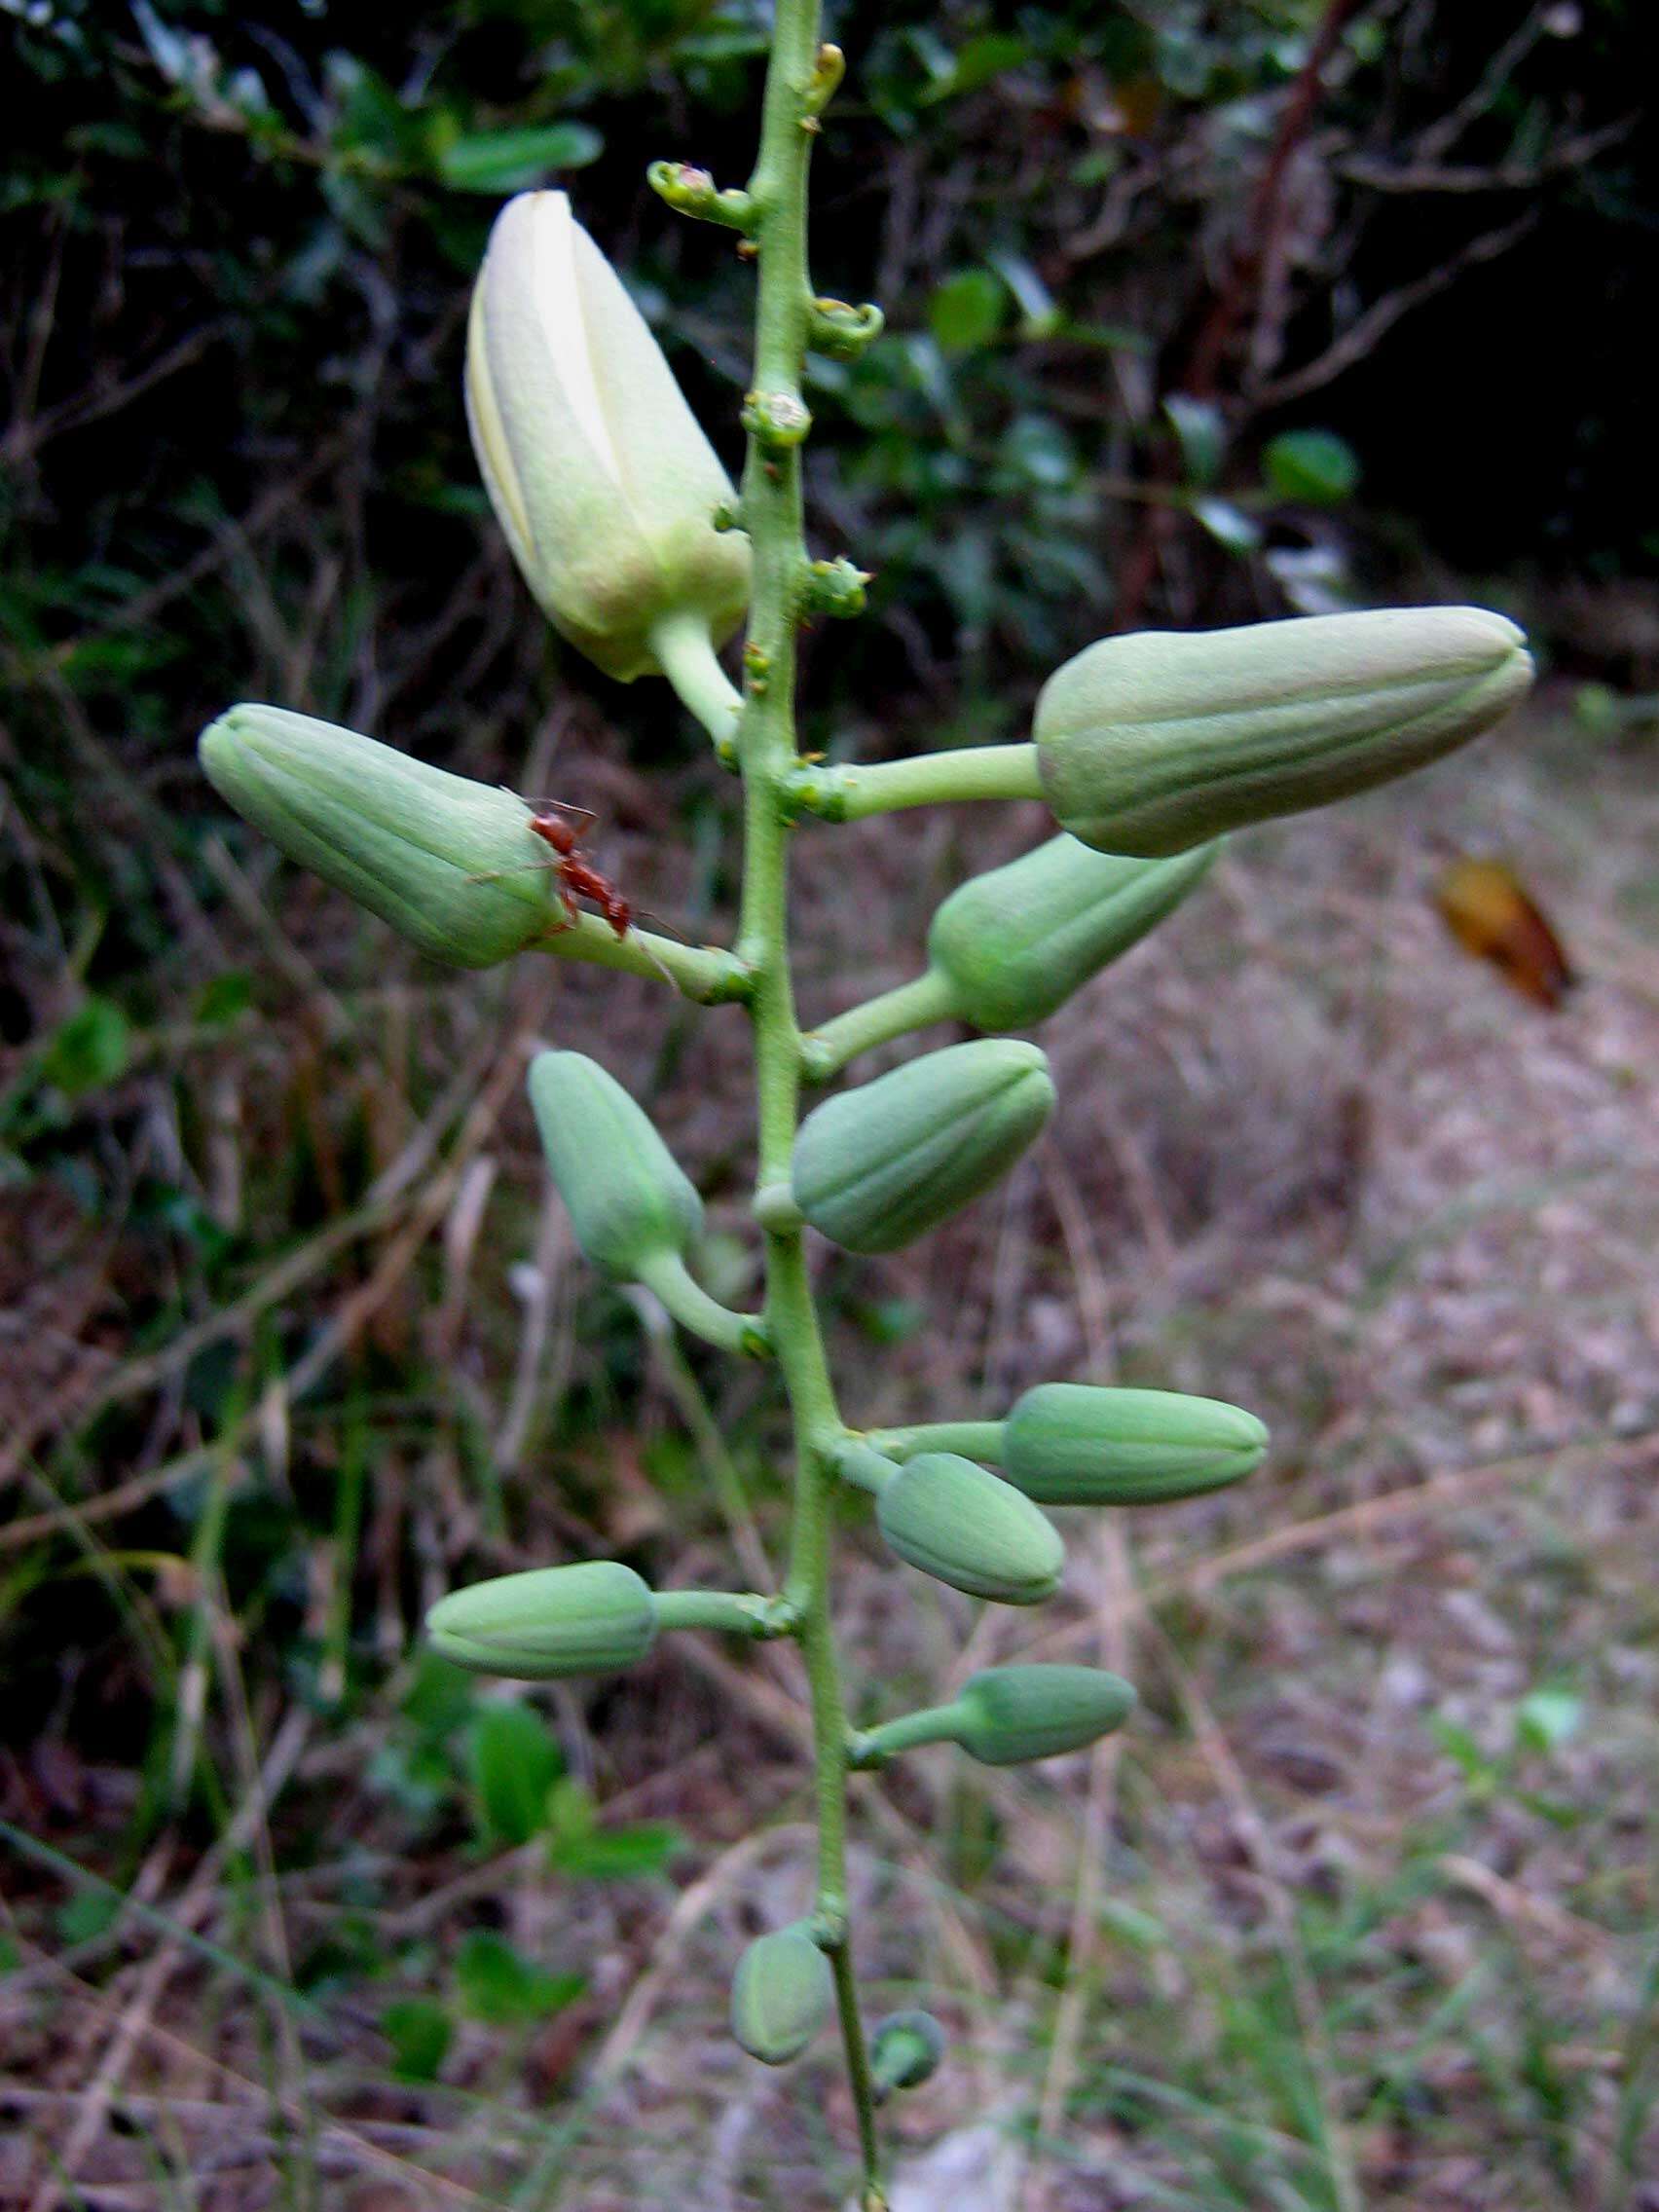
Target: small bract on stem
[(1147, 750)]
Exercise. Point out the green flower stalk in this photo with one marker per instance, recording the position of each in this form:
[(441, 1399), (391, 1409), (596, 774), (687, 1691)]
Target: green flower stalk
[(1010, 947), (1146, 749)]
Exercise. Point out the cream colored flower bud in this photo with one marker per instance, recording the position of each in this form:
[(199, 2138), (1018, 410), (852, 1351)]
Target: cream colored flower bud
[(598, 471)]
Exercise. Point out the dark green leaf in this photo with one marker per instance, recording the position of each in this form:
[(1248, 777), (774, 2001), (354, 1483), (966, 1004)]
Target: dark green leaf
[(220, 1002), (978, 62), (616, 1855), (512, 160), (1315, 467), (1202, 436), (419, 2030), (90, 1051), (967, 310), (514, 1763), (495, 1983)]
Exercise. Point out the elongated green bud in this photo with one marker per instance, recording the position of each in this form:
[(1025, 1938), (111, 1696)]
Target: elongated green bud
[(586, 1620), (904, 2050), (629, 1200), (965, 1526), (449, 863), (1015, 943), (1009, 1714), (1071, 1444), (876, 1167), (782, 1994), (1153, 743)]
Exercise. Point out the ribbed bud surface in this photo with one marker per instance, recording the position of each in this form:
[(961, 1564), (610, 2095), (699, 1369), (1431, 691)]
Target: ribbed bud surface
[(1010, 1715), (599, 474), (961, 1524), (628, 1197), (586, 1620), (1072, 1444), (450, 863), (879, 1167), (1155, 742), (782, 1994), (1016, 942)]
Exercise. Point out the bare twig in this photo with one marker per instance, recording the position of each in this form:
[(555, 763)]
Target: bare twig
[(1364, 332)]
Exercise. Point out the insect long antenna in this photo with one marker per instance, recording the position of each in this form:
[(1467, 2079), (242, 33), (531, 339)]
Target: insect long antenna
[(667, 928), (652, 958)]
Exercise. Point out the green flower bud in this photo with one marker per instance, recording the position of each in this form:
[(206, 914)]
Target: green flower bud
[(782, 1994), (1153, 743), (599, 474), (904, 2051), (629, 1200), (586, 1620), (1070, 1444), (1015, 943), (449, 863), (961, 1524), (877, 1167), (1010, 1715)]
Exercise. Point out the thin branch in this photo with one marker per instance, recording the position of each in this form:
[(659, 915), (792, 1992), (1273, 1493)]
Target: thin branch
[(1363, 334), (1418, 175)]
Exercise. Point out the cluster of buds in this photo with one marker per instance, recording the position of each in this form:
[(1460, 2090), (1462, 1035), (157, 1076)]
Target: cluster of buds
[(1148, 750)]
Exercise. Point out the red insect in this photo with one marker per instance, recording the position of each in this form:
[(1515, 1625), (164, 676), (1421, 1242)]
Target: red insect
[(578, 876)]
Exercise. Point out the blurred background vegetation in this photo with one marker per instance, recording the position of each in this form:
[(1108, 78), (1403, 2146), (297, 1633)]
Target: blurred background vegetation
[(1197, 313)]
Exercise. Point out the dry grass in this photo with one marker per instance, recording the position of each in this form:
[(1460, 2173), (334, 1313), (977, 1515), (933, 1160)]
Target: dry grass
[(1366, 1911)]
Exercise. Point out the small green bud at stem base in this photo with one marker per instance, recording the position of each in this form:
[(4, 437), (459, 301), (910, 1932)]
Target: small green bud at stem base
[(904, 2051), (966, 1526), (782, 1994)]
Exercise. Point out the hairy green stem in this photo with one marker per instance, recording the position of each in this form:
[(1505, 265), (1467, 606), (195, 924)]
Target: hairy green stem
[(972, 1439), (864, 1469), (667, 1274), (682, 646), (914, 1005), (930, 1724), (736, 1612), (923, 779), (702, 973), (799, 78)]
